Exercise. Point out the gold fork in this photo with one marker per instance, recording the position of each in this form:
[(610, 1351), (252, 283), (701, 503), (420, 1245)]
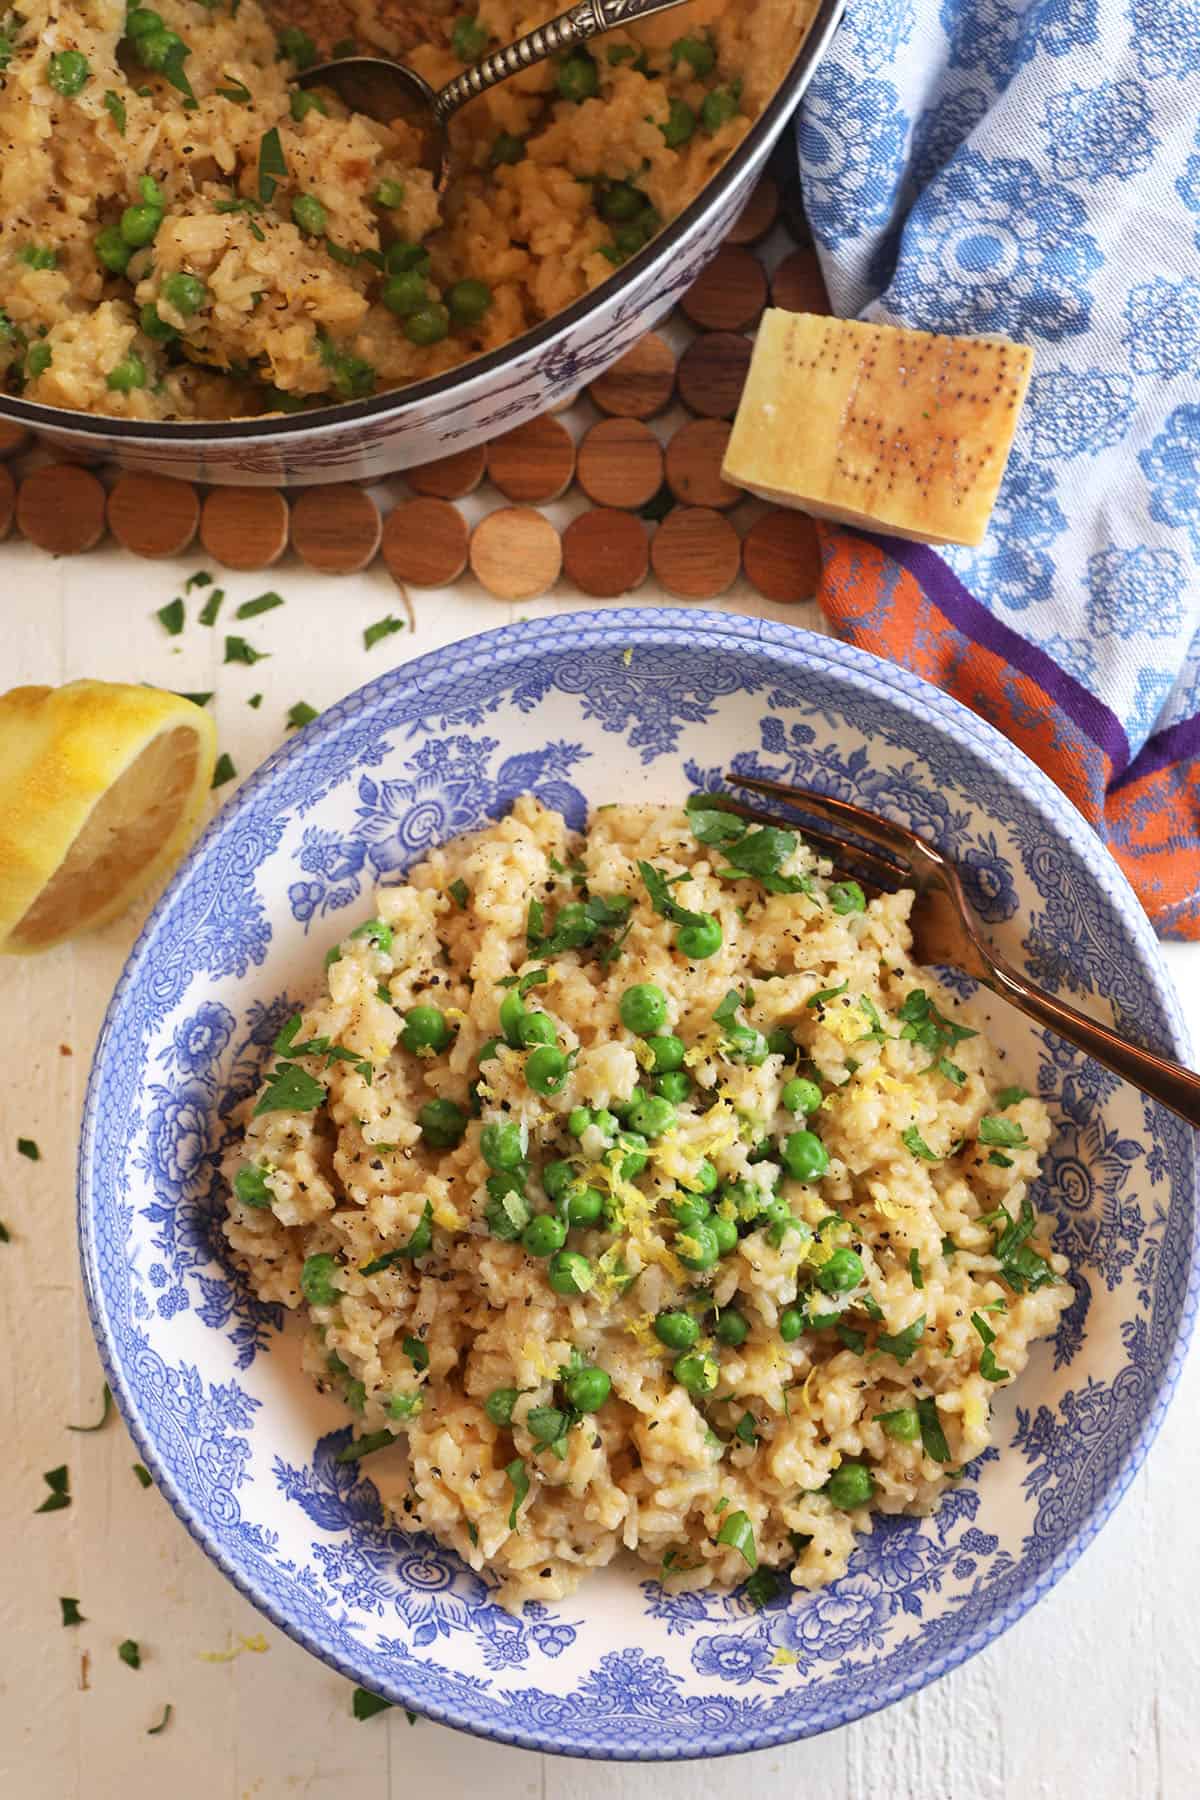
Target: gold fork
[(883, 857)]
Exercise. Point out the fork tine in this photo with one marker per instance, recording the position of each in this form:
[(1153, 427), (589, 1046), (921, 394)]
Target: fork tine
[(849, 859), (880, 832)]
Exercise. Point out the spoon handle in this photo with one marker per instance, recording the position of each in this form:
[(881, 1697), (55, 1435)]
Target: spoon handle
[(587, 20)]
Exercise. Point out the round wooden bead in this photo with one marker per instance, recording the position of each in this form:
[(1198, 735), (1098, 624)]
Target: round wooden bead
[(244, 527), (425, 543), (61, 509), (758, 218), (606, 552), (694, 458), (13, 438), (641, 383), (8, 494), (533, 464), (620, 463), (336, 530), (450, 477), (712, 373), (153, 515), (730, 293), (696, 553), (798, 284), (516, 554), (782, 557)]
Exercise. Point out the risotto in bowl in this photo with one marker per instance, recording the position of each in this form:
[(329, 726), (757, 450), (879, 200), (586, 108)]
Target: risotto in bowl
[(562, 1257)]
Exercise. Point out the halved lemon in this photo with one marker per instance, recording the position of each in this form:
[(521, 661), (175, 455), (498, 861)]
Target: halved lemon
[(102, 786)]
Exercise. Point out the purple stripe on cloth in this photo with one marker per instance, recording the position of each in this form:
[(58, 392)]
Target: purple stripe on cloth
[(1176, 744), (966, 613)]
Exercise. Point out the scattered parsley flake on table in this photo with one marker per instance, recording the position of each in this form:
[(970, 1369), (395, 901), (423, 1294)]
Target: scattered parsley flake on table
[(154, 1730), (143, 1474), (5, 1235), (71, 1614), (197, 699), (255, 701), (250, 609), (59, 1482), (130, 1653), (105, 1413), (171, 617), (211, 607), (27, 1147), (201, 579), (224, 770), (300, 714), (237, 650), (382, 628), (365, 1705)]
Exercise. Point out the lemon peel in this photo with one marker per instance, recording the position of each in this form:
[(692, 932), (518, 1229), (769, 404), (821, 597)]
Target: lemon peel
[(102, 786)]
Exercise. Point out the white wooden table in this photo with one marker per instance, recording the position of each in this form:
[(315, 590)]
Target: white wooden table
[(1095, 1693)]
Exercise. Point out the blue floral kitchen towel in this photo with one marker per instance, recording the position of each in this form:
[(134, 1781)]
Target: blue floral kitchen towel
[(1032, 168)]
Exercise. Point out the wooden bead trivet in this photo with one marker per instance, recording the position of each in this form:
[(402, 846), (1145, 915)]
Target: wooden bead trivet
[(639, 385), (758, 219), (450, 477), (620, 463), (245, 528), (730, 294), (606, 552), (516, 554), (781, 556), (152, 515), (533, 464), (425, 543), (696, 553), (13, 438), (61, 509), (712, 373), (336, 530), (694, 458), (8, 494), (798, 284)]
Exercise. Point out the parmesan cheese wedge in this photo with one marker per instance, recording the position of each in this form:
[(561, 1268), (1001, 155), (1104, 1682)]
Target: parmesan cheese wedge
[(872, 425)]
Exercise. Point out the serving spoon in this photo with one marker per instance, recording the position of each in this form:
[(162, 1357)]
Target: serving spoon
[(387, 90)]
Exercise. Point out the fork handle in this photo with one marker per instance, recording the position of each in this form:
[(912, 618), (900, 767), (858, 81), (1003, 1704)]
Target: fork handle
[(1166, 1081)]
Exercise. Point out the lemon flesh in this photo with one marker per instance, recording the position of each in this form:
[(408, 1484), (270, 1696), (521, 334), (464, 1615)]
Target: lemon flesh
[(102, 787)]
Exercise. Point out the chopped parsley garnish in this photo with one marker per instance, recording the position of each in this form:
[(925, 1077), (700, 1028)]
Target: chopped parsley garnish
[(658, 887), (902, 1344), (365, 1446), (130, 1653), (762, 1587), (154, 1730), (211, 607), (255, 701), (914, 1269), (5, 1234), (27, 1147), (933, 1438), (994, 1130), (143, 1474), (59, 1482), (201, 579), (224, 770), (382, 628), (578, 925), (1009, 1096), (989, 1368), (459, 893), (272, 167), (245, 205), (413, 1348), (951, 1071), (237, 91), (912, 1140), (759, 853), (923, 1024), (853, 1340), (418, 1245), (115, 107), (825, 994), (519, 1477), (365, 1704), (738, 1533), (948, 1246), (1023, 1268), (300, 714), (105, 1413), (198, 699), (237, 650), (290, 1089), (71, 1614), (250, 609), (745, 1431), (998, 1159)]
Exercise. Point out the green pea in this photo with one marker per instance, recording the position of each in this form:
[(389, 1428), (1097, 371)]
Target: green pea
[(695, 51), (400, 257), (619, 202), (746, 1044), (570, 1273), (904, 1424), (805, 1156), (546, 1069), (718, 108), (405, 294), (643, 1008), (726, 1233), (68, 73), (606, 1123), (537, 1028), (507, 150), (578, 1120), (442, 1123), (674, 1086), (587, 1389), (112, 252), (139, 224), (250, 1186), (506, 1216), (732, 1328), (746, 1197), (694, 1210), (128, 374), (703, 1179), (512, 1012), (577, 77), (543, 1235), (668, 1052), (843, 1271), (652, 1116), (585, 1206), (425, 1028), (680, 126), (405, 1406), (186, 293), (467, 301), (429, 326), (316, 1281), (791, 1324), (499, 1405), (676, 1330), (156, 328), (697, 942), (389, 194), (697, 1372), (850, 1485), (557, 1178), (697, 1247), (302, 103), (140, 20), (800, 1096), (159, 49), (38, 256), (503, 1146), (309, 214), (506, 1181)]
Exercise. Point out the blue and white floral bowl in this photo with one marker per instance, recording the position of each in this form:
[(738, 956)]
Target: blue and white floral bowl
[(580, 710)]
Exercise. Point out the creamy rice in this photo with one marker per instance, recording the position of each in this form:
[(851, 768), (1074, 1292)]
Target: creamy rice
[(852, 1320)]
